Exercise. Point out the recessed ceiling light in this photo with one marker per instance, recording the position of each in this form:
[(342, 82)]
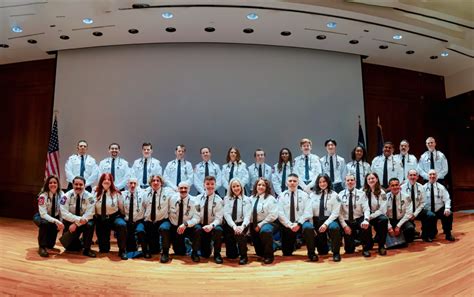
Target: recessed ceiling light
[(321, 37), (32, 41), (248, 30), (434, 57), (353, 41), (209, 29), (133, 31), (285, 33), (444, 54), (17, 29), (331, 25), (410, 52), (383, 46), (397, 37), (97, 33), (167, 15), (87, 21), (64, 37), (4, 45), (252, 16), (170, 29)]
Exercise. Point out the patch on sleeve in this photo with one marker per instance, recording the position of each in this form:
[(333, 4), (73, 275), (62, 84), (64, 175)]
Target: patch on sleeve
[(63, 200), (40, 200), (338, 199), (198, 208)]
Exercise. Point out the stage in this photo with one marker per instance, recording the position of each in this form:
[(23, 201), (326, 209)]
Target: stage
[(439, 268)]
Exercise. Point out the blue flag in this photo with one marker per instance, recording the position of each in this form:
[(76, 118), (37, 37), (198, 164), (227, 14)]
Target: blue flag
[(379, 138), (361, 138)]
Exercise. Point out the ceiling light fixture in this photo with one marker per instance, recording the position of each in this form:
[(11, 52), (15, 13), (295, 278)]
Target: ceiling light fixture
[(167, 15), (87, 21), (17, 29), (444, 54), (331, 25), (397, 37), (252, 16)]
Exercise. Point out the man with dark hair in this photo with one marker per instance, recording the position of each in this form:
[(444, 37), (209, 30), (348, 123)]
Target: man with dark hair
[(259, 168), (333, 165), (206, 168), (386, 166), (116, 166), (399, 211), (81, 164), (178, 170), (146, 166)]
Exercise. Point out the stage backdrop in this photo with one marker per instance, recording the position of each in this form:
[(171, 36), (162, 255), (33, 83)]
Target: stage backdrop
[(216, 95)]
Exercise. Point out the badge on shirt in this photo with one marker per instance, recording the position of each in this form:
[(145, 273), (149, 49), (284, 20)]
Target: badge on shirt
[(40, 200), (338, 199), (198, 208), (63, 200)]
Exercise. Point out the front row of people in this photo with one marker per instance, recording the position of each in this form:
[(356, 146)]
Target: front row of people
[(157, 217)]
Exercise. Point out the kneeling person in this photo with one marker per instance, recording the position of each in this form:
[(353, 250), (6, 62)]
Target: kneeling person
[(399, 211)]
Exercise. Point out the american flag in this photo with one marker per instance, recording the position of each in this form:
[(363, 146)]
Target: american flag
[(52, 158)]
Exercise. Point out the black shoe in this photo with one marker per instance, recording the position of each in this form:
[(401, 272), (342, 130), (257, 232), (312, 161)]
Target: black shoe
[(243, 260), (43, 252), (336, 257), (147, 255), (268, 260), (382, 251), (450, 237), (366, 254), (89, 253), (123, 255), (164, 258), (218, 259), (195, 258), (313, 258), (427, 239)]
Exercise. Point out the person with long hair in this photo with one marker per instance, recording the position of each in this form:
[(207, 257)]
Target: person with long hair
[(108, 215), (282, 170), (378, 208), (47, 218), (358, 166), (237, 211), (326, 206), (234, 167), (264, 214)]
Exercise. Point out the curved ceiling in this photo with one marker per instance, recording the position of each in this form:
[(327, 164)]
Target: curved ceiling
[(363, 27)]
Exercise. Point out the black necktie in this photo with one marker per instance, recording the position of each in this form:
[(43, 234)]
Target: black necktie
[(331, 169), (351, 208), (413, 198), (231, 173), (321, 207), (178, 174), (112, 169), (292, 207), (260, 174), (78, 205), (403, 163), (306, 168), (234, 209), (254, 213), (385, 173), (103, 210), (206, 170), (394, 207), (53, 206), (83, 166), (283, 179), (432, 199), (130, 210), (145, 172), (206, 211), (431, 161), (358, 183), (180, 216), (153, 207), (369, 198)]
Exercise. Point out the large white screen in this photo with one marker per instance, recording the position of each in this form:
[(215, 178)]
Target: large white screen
[(215, 95)]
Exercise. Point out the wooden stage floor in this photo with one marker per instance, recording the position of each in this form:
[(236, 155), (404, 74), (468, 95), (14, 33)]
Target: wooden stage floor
[(439, 268)]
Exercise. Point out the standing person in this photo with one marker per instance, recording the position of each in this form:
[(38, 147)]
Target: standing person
[(333, 165), (377, 200), (433, 159), (237, 212), (206, 168), (81, 164), (358, 166), (107, 215), (399, 212), (116, 166), (178, 169), (47, 218), (438, 204), (146, 166), (386, 166), (307, 166), (407, 160), (259, 168), (354, 217), (295, 213), (326, 207), (157, 225), (281, 170), (264, 214), (234, 167), (77, 213)]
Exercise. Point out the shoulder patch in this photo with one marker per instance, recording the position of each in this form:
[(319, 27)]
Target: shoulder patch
[(91, 200), (338, 199), (198, 208), (63, 200), (40, 200)]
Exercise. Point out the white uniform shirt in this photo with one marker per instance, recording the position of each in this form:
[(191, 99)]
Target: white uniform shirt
[(240, 172), (162, 203), (314, 170), (244, 210), (359, 203), (441, 196), (191, 210), (45, 203), (440, 164), (339, 165), (199, 172), (377, 205), (332, 207), (111, 203), (73, 169), (394, 168), (122, 171), (410, 163), (171, 173), (153, 168), (215, 209), (419, 196), (302, 204), (364, 169), (68, 207), (267, 210), (278, 175), (253, 173), (404, 208), (139, 205)]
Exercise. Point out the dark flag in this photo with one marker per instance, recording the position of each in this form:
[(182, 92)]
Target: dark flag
[(379, 138), (361, 138)]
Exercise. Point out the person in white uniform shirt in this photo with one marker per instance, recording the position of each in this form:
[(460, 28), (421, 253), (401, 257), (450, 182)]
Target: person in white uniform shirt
[(234, 167), (146, 166), (116, 166), (206, 168), (333, 165), (81, 164), (259, 168), (433, 159), (386, 166), (178, 170), (307, 166), (281, 170), (358, 166), (407, 160), (399, 211)]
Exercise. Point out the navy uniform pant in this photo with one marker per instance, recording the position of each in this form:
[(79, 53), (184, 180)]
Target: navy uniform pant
[(333, 232), (104, 226), (235, 244), (408, 229), (262, 240), (446, 222), (216, 236), (47, 232), (193, 233), (357, 233), (380, 225), (288, 239), (135, 233), (87, 231), (156, 233), (428, 222)]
